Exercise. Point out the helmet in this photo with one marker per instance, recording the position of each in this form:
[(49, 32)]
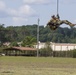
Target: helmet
[(53, 16)]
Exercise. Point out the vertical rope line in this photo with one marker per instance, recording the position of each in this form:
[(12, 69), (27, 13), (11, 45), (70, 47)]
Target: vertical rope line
[(57, 6)]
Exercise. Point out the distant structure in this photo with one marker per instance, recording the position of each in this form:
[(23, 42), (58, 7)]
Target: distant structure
[(58, 46)]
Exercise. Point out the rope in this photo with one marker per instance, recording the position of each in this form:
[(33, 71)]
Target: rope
[(57, 7)]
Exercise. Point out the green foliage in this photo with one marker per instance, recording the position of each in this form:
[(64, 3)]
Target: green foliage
[(29, 41), (74, 53), (14, 44), (47, 51), (11, 34), (19, 33), (2, 34)]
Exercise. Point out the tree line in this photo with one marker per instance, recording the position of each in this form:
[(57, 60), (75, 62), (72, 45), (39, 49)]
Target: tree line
[(19, 33)]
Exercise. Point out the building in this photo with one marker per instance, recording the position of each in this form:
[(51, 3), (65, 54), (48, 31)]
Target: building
[(19, 51), (58, 46)]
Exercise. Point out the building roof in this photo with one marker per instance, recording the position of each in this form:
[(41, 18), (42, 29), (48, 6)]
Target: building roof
[(21, 48)]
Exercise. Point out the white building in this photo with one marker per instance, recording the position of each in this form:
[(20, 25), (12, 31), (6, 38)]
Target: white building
[(58, 46)]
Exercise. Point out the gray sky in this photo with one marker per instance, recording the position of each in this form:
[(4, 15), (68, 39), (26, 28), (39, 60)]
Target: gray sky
[(25, 12)]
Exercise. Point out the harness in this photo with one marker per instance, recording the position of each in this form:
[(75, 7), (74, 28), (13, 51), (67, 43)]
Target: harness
[(54, 24)]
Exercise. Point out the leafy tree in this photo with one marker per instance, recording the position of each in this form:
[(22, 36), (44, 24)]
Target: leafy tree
[(29, 41), (18, 33), (23, 32), (47, 51), (11, 34), (14, 44), (2, 34)]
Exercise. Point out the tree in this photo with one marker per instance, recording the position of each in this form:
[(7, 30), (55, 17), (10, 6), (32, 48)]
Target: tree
[(11, 34), (2, 34), (14, 44), (47, 51), (29, 41)]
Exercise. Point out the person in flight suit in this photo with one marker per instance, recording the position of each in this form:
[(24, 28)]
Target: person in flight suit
[(55, 22)]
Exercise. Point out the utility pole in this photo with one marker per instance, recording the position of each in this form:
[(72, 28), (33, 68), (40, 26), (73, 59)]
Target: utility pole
[(38, 38)]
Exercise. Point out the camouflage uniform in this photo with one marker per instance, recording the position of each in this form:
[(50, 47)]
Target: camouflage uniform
[(55, 22)]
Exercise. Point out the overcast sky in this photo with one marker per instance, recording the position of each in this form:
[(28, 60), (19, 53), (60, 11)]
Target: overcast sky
[(25, 12)]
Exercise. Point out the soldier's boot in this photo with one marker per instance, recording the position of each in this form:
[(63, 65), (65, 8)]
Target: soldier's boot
[(74, 24), (69, 23)]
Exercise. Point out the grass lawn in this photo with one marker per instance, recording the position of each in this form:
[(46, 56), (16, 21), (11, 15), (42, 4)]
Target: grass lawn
[(37, 66)]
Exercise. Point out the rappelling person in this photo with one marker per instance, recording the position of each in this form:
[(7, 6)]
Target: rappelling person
[(55, 22)]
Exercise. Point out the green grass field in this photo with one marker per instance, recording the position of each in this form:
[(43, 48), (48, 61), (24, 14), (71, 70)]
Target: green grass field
[(37, 66)]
